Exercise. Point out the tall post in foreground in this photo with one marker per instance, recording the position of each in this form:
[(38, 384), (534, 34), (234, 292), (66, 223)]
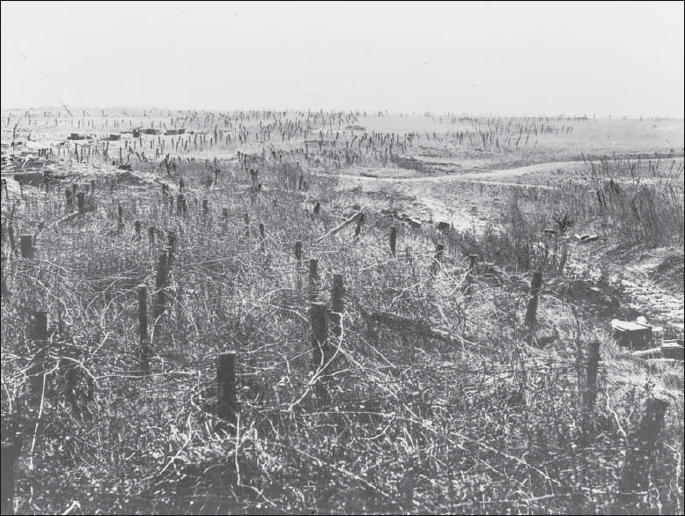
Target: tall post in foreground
[(531, 311), (313, 280), (393, 241), (161, 283), (26, 244), (591, 376), (37, 367), (10, 454), (634, 484), (142, 330), (5, 290), (225, 373)]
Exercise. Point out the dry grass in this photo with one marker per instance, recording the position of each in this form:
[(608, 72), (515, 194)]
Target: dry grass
[(441, 401)]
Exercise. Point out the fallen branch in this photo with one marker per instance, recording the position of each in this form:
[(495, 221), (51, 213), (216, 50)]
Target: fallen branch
[(72, 216), (338, 228)]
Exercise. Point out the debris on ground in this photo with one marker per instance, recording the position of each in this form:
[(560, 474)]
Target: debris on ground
[(585, 238)]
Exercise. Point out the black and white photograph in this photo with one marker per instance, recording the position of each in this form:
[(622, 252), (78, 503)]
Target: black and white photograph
[(339, 258)]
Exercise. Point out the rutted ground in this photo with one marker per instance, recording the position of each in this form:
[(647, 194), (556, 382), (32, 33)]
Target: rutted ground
[(650, 281)]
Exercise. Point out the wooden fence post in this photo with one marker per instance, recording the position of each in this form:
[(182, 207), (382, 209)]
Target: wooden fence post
[(171, 242), (227, 400), (142, 330), (137, 226), (437, 257), (10, 454), (160, 284), (358, 229), (205, 208), (5, 291), (81, 202), (634, 482), (26, 244), (120, 219), (69, 198), (337, 306), (393, 241), (321, 349), (181, 205), (151, 234), (313, 280), (36, 369), (591, 376), (535, 287)]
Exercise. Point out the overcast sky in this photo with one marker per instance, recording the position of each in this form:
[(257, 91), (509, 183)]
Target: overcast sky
[(619, 58)]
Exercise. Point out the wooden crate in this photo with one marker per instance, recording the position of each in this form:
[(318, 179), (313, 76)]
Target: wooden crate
[(632, 335)]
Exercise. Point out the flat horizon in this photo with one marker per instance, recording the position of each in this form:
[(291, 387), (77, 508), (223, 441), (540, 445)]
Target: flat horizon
[(508, 58)]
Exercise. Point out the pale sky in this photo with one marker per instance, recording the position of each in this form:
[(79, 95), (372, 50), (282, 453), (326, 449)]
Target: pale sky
[(619, 58)]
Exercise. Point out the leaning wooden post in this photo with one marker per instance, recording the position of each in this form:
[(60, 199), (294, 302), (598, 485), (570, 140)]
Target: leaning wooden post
[(69, 198), (393, 241), (321, 350), (535, 287), (337, 306), (181, 205), (358, 229), (81, 202), (5, 290), (160, 284), (36, 369), (171, 242), (227, 407), (10, 454), (138, 228), (120, 219), (313, 279), (142, 330), (437, 258), (634, 483), (26, 244), (591, 376)]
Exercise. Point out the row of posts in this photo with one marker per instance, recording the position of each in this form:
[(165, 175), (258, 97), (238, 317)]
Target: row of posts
[(640, 451)]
